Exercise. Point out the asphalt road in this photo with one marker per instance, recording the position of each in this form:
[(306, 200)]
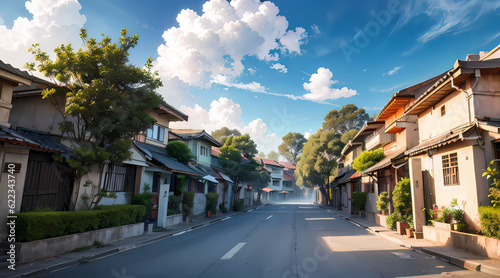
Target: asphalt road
[(279, 240)]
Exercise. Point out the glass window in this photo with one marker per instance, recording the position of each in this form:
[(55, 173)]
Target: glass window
[(496, 150), (156, 132), (450, 169)]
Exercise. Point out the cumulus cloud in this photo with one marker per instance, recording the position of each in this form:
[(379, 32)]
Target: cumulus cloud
[(225, 112), (320, 87), (53, 22), (279, 67), (393, 71), (203, 47)]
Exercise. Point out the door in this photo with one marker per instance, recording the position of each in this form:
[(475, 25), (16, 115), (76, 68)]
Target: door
[(429, 191)]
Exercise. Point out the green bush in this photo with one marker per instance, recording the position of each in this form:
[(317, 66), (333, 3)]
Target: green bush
[(401, 196), (222, 207), (171, 212), (392, 219), (211, 204), (359, 199), (490, 221), (367, 159), (40, 225), (383, 202), (238, 205), (187, 203), (174, 202), (145, 199)]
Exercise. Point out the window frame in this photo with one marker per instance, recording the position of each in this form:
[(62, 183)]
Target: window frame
[(450, 167), (156, 132)]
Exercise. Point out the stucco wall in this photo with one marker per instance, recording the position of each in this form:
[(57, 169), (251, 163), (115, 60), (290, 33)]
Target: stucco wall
[(35, 113), (199, 203)]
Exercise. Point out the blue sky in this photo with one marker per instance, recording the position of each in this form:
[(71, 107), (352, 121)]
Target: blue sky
[(273, 67)]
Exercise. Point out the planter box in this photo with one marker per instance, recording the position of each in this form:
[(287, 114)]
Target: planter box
[(401, 227), (441, 225), (174, 219), (381, 220), (409, 232), (39, 249), (476, 244)]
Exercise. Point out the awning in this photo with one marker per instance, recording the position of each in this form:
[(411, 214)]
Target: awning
[(451, 137), (347, 176), (386, 161), (210, 178), (284, 191), (267, 189), (223, 176)]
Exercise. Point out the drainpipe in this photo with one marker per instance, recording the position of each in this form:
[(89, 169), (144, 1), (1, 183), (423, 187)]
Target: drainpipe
[(477, 73)]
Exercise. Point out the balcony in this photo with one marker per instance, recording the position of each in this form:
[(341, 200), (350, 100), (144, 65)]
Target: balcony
[(402, 123), (379, 140)]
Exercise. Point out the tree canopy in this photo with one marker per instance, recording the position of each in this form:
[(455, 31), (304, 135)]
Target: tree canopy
[(291, 146), (367, 159), (224, 132), (180, 151), (273, 155), (317, 164), (107, 99)]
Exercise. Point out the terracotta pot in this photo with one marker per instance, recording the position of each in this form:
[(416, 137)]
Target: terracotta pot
[(409, 232)]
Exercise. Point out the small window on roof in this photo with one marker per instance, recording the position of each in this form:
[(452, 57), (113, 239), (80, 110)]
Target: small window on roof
[(443, 111)]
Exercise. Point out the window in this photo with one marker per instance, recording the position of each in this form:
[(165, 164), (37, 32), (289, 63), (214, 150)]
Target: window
[(196, 186), (276, 170), (443, 111), (276, 183), (203, 151), (496, 150), (120, 178), (156, 132), (450, 169)]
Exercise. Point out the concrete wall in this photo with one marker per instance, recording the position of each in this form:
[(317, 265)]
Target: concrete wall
[(46, 248), (479, 245), (14, 154), (33, 112), (486, 97), (199, 203)]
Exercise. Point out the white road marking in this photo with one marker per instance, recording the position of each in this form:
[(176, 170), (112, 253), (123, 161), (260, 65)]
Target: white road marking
[(403, 255), (249, 210), (269, 217), (179, 233), (306, 207), (225, 219), (233, 251), (326, 218)]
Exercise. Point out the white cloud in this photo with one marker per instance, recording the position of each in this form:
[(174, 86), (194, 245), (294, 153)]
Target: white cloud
[(320, 87), (279, 67), (53, 22), (393, 71), (2, 22), (214, 43), (447, 16), (225, 112), (315, 29), (307, 134), (391, 89)]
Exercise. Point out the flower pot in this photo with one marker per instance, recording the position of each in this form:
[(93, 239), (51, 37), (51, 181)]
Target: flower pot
[(409, 232), (400, 227)]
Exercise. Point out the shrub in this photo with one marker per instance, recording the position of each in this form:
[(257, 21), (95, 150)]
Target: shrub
[(211, 204), (187, 203), (145, 199), (490, 221), (383, 202), (174, 202), (180, 151), (491, 173), (171, 212), (401, 197), (367, 159), (40, 225), (359, 199), (238, 205), (222, 207), (391, 220)]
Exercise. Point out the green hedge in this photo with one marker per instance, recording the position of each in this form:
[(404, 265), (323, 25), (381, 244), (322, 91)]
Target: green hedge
[(211, 203), (238, 205), (40, 225), (187, 203), (490, 221)]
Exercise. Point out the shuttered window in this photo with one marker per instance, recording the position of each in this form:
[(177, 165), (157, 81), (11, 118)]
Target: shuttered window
[(450, 169)]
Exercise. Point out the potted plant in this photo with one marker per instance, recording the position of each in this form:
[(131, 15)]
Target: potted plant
[(383, 203), (411, 227), (359, 199)]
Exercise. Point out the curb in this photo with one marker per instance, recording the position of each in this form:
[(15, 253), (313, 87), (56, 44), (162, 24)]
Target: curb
[(466, 264), (46, 270)]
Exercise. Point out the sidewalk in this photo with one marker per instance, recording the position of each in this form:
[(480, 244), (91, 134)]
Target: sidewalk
[(449, 254), (43, 267)]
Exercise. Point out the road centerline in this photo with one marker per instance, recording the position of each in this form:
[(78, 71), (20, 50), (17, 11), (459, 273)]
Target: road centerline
[(233, 251)]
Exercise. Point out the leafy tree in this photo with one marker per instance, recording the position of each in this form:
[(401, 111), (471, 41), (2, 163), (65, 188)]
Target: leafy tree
[(261, 155), (261, 178), (180, 151), (273, 155), (367, 159), (236, 157), (291, 146), (349, 117), (224, 132), (346, 137), (107, 99), (491, 174)]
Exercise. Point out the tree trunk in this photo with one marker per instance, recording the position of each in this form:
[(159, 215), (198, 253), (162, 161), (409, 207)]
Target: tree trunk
[(326, 197)]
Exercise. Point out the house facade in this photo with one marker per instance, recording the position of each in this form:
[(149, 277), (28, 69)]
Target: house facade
[(458, 126)]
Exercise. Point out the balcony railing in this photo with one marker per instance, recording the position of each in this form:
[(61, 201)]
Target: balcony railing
[(379, 140)]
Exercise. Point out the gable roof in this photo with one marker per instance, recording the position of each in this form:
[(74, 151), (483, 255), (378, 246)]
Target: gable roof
[(287, 177), (166, 110), (288, 165), (188, 134), (271, 162)]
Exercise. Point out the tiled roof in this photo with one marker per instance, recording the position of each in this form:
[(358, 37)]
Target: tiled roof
[(287, 177), (188, 134), (13, 70), (288, 165), (46, 140), (160, 154), (215, 151), (9, 135), (271, 162)]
